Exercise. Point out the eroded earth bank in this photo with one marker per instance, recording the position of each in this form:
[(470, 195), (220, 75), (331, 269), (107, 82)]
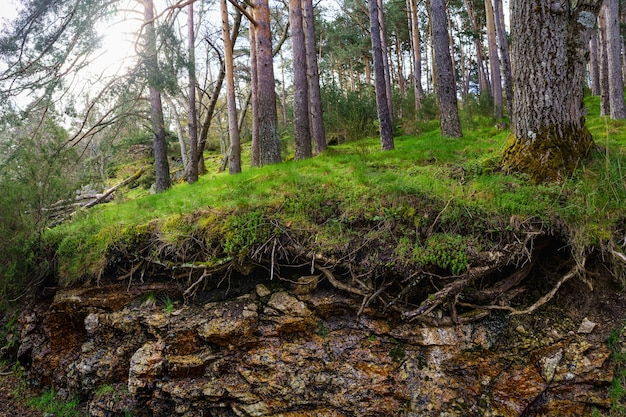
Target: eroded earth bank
[(260, 347)]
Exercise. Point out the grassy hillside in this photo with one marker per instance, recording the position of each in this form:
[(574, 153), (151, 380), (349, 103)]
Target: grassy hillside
[(432, 207)]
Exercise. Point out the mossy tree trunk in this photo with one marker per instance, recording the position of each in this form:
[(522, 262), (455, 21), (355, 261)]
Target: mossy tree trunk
[(548, 135)]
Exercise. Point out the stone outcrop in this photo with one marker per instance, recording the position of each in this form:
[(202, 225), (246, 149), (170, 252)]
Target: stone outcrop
[(278, 352)]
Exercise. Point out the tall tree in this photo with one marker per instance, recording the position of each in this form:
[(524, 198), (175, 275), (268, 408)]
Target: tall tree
[(302, 130), (155, 81), (548, 136), (494, 61), (384, 113), (446, 85), (605, 102), (614, 59), (505, 58), (192, 168), (315, 97), (234, 150), (483, 81), (385, 53), (267, 116), (416, 53)]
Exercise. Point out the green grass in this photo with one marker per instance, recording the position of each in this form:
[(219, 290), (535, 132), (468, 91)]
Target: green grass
[(457, 179), (49, 403)]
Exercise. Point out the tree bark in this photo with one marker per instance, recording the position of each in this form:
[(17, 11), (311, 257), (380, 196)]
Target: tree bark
[(192, 169), (505, 59), (302, 131), (445, 83), (614, 59), (382, 104), (315, 96), (548, 135), (605, 102), (494, 61), (385, 53), (255, 152), (267, 116), (161, 165), (416, 54), (234, 150), (594, 66)]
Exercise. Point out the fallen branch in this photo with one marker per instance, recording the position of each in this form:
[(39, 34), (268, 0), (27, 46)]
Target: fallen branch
[(111, 190)]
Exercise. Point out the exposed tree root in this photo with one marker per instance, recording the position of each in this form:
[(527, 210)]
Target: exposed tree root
[(338, 284)]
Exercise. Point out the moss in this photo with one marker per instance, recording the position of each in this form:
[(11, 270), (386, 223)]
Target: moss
[(551, 156)]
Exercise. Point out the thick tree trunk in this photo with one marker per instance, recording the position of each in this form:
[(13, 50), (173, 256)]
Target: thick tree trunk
[(548, 135), (614, 59), (494, 61), (384, 112), (161, 165), (302, 132), (444, 74), (315, 96), (234, 150), (192, 169), (416, 54), (269, 142)]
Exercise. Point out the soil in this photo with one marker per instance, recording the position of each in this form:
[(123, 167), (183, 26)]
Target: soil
[(12, 403)]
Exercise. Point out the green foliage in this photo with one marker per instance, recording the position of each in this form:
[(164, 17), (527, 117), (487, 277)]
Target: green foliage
[(244, 230), (350, 115), (448, 252), (49, 402), (352, 192), (36, 171)]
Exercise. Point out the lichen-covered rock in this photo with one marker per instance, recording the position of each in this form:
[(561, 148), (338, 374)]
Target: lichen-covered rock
[(277, 353)]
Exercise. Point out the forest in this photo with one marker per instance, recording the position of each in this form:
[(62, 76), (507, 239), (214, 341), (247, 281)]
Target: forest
[(439, 162)]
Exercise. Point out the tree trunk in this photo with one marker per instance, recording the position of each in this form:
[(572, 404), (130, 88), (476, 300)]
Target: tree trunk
[(505, 60), (614, 59), (302, 132), (384, 115), (594, 66), (315, 96), (494, 61), (234, 150), (255, 151), (416, 54), (267, 117), (385, 53), (444, 74), (161, 165), (605, 102), (192, 169), (548, 135)]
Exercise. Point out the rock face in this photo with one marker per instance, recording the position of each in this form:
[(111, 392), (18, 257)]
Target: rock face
[(276, 353)]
